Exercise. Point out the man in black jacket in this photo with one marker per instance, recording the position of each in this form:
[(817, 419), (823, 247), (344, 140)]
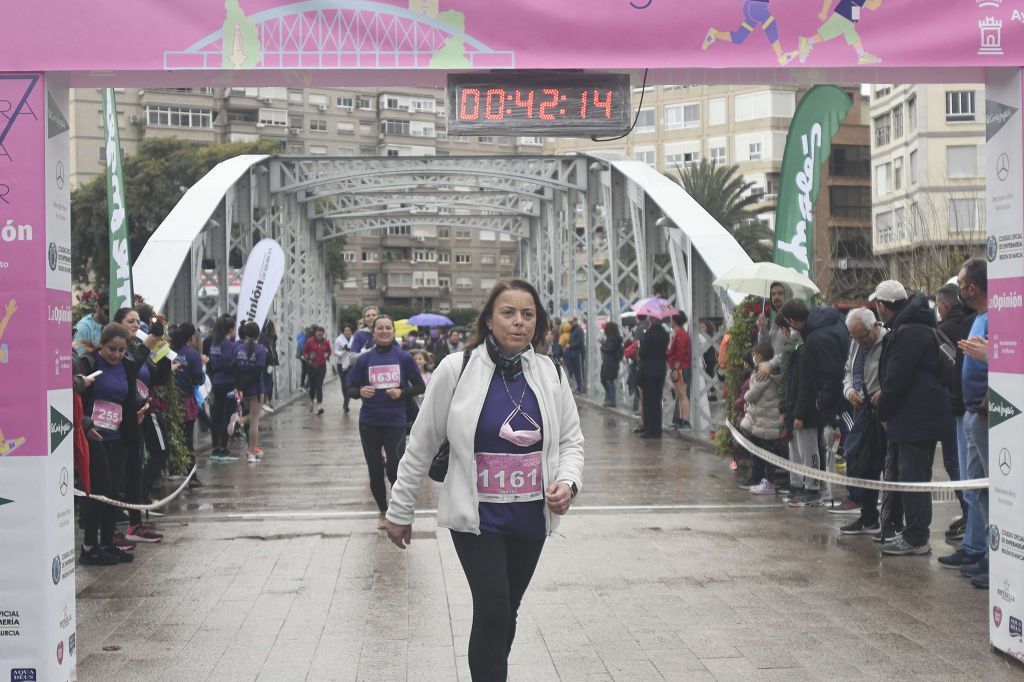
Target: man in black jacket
[(913, 405), (576, 353), (653, 368)]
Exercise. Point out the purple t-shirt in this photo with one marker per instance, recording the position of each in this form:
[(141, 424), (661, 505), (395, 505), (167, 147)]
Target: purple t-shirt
[(109, 387), (522, 520)]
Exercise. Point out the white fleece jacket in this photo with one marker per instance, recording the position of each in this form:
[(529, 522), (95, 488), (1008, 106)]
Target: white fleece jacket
[(457, 416)]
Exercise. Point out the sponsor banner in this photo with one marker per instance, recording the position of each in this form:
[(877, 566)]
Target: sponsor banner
[(58, 188), (261, 277), (808, 146), (117, 213), (524, 34), (1005, 216), (37, 581)]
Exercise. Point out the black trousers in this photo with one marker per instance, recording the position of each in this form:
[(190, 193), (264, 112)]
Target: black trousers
[(374, 439), (316, 382), (220, 412), (343, 375), (106, 476), (158, 448), (951, 462), (915, 465), (499, 570), (652, 388)]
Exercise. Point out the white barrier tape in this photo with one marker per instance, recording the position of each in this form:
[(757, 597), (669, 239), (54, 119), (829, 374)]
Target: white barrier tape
[(839, 479), (139, 507)]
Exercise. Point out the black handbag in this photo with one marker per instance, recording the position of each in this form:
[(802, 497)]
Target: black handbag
[(439, 465)]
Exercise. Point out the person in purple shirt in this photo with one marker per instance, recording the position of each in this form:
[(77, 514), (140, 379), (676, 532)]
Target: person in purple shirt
[(383, 377), (110, 419), (755, 14), (250, 363), (188, 377), (221, 371)]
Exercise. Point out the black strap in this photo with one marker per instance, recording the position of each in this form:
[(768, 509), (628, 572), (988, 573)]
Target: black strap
[(558, 368)]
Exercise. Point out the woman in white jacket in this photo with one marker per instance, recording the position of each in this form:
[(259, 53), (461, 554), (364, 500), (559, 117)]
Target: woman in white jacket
[(516, 462)]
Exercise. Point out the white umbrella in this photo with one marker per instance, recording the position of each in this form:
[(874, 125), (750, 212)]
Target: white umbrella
[(756, 279)]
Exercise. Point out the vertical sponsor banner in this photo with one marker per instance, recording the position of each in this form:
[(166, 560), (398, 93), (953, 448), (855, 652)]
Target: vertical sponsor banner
[(37, 589), (808, 146), (263, 272), (1004, 251), (117, 215)]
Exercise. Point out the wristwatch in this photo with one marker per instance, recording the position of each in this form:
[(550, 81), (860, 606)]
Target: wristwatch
[(574, 489)]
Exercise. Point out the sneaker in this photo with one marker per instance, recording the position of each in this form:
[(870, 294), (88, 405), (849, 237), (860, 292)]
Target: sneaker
[(813, 499), (709, 39), (269, 409), (787, 57), (765, 487), (123, 543), (976, 569), (858, 527), (155, 512), (96, 557), (143, 533), (960, 558), (733, 465), (805, 49), (957, 529), (748, 484), (228, 456), (781, 489), (980, 581), (868, 58), (847, 507), (251, 458), (794, 495), (685, 426), (900, 547), (119, 554), (879, 537)]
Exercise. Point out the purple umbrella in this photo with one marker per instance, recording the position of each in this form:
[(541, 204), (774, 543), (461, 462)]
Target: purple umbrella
[(430, 320), (654, 307)]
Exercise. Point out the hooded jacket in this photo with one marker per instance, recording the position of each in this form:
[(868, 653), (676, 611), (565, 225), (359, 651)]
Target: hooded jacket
[(914, 403), (762, 416), (957, 327), (826, 342)]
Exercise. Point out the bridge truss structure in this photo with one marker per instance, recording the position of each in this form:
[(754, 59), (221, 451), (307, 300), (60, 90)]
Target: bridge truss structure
[(594, 235)]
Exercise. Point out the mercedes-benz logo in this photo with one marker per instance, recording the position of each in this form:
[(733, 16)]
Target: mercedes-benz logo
[(63, 481), (1003, 166), (60, 175), (1005, 462)]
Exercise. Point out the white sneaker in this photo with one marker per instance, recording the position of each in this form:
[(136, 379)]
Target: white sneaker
[(268, 409), (252, 458)]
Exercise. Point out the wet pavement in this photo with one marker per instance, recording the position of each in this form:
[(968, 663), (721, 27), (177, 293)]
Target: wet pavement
[(663, 570)]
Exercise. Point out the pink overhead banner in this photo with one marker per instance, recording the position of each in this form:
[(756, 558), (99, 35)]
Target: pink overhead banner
[(264, 35)]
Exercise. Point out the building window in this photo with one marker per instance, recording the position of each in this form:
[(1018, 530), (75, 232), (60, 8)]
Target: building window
[(912, 113), (897, 122), (486, 283), (716, 112), (424, 256), (463, 234), (648, 156), (850, 161), (394, 127), (296, 148), (850, 202), (348, 256), (344, 102), (960, 106), (370, 256), (424, 279), (317, 100), (318, 124), (367, 150), (913, 168), (443, 233), (464, 282), (884, 227), (485, 139), (392, 151), (363, 103), (399, 279), (883, 130), (756, 151), (273, 117), (682, 116), (883, 172), (463, 259), (487, 259), (963, 215), (645, 121), (444, 257), (345, 127), (505, 259), (177, 117), (425, 105), (296, 122), (318, 149), (444, 282), (717, 154), (399, 230), (962, 161), (533, 141), (897, 173)]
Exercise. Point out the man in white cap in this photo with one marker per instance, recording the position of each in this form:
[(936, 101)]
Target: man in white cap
[(913, 404)]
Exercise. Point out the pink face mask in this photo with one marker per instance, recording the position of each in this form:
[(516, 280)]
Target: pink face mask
[(523, 438)]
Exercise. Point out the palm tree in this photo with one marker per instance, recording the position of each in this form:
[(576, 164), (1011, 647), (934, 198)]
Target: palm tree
[(723, 193)]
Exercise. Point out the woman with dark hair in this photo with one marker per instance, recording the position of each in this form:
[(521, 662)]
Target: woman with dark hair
[(384, 378), (316, 353), (515, 462), (111, 414), (221, 371), (250, 365), (344, 355), (187, 377), (611, 357), (268, 339)]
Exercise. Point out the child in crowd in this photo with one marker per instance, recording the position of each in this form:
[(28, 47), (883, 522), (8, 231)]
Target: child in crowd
[(761, 420)]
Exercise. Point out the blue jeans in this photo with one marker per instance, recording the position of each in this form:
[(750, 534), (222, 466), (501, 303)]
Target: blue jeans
[(976, 436), (609, 391)]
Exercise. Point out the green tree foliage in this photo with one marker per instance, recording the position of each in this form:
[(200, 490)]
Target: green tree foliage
[(723, 193), (153, 178), (741, 340)]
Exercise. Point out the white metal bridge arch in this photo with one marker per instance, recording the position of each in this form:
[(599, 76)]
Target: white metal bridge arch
[(595, 234)]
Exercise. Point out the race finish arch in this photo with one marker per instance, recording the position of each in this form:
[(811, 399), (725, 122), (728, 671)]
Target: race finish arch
[(49, 47)]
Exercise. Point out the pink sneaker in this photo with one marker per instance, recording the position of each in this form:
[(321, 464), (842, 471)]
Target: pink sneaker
[(765, 487), (122, 542), (143, 533)]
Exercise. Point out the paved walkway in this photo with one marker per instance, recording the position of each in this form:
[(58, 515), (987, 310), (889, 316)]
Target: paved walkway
[(663, 571)]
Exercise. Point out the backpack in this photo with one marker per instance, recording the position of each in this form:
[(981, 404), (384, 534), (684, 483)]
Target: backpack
[(947, 356)]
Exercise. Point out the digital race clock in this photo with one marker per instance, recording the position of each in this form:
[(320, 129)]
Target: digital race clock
[(549, 103)]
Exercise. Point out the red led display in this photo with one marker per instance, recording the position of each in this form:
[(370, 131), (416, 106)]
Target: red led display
[(539, 103)]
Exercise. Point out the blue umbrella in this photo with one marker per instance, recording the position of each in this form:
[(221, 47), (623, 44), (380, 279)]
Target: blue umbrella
[(430, 320)]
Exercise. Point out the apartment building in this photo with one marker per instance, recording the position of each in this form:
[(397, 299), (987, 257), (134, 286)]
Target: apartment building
[(927, 150), (409, 265)]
